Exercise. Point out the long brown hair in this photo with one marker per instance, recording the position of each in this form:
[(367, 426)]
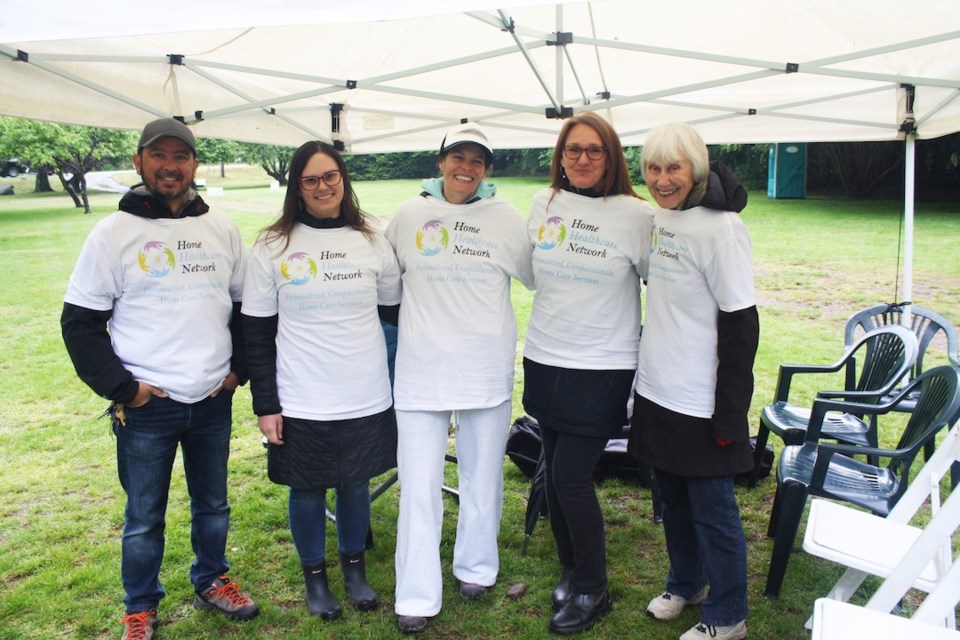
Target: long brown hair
[(292, 203), (616, 177)]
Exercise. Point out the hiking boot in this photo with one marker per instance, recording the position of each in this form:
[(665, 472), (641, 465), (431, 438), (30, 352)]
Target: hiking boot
[(668, 606), (708, 632), (224, 596), (139, 625)]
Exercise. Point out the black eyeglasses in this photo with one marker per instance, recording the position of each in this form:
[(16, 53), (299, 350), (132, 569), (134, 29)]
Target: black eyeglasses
[(330, 178), (573, 152)]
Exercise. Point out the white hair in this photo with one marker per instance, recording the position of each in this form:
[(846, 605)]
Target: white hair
[(674, 141)]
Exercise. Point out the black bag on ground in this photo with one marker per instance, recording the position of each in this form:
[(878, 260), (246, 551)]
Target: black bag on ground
[(524, 445), (766, 463)]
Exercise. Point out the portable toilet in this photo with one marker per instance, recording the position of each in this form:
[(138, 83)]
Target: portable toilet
[(787, 170)]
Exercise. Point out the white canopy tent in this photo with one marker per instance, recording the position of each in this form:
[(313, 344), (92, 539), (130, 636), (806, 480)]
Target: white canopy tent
[(383, 75), (386, 75)]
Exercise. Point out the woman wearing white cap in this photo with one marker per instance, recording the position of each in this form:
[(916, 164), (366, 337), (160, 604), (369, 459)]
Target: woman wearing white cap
[(458, 245)]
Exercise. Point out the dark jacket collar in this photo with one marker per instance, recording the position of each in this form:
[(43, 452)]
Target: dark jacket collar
[(589, 193), (320, 223), (140, 202)]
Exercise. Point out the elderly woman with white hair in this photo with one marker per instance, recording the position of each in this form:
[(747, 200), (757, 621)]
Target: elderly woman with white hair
[(695, 378)]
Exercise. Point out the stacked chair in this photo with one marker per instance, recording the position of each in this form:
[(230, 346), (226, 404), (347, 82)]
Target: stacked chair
[(925, 324), (872, 367), (831, 470)]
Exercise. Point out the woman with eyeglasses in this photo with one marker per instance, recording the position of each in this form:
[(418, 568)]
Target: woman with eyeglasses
[(318, 282), (459, 245), (591, 234)]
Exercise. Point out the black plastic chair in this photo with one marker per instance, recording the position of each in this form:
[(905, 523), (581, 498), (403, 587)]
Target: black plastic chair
[(885, 356), (814, 468), (924, 323)]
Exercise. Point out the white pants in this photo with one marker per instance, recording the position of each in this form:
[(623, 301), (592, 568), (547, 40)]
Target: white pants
[(481, 436)]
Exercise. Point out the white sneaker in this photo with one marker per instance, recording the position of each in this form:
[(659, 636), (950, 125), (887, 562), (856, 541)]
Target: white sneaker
[(668, 606), (707, 632)]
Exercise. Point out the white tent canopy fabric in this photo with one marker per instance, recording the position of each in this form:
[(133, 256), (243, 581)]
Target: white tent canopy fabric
[(385, 75)]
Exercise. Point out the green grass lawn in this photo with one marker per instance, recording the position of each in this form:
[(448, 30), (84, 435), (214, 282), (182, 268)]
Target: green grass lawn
[(818, 260)]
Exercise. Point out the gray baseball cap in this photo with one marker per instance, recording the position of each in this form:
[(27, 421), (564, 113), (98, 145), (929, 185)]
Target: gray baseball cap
[(166, 127)]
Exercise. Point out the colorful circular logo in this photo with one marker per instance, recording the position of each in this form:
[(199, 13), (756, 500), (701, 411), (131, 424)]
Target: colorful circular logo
[(432, 238), (551, 233), (155, 259), (298, 268)]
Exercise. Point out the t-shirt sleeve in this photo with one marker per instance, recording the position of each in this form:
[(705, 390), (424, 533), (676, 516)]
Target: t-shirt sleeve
[(388, 282), (537, 213), (242, 255), (642, 264), (730, 271), (260, 285), (392, 229), (522, 251), (96, 281)]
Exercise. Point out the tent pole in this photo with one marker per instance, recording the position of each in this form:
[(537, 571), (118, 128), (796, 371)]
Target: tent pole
[(908, 200), (558, 15)]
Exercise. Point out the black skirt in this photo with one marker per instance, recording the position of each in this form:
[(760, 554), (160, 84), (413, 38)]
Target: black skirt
[(583, 402), (320, 454), (683, 445)]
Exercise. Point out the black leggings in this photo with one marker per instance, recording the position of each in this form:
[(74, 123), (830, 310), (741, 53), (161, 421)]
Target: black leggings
[(575, 515)]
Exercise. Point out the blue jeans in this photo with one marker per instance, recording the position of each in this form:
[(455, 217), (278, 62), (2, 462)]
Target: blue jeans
[(146, 450), (706, 544), (390, 336), (308, 521)]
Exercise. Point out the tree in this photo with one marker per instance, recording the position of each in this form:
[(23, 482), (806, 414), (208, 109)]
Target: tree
[(938, 166), (392, 165), (210, 150), (865, 167), (70, 151), (273, 159)]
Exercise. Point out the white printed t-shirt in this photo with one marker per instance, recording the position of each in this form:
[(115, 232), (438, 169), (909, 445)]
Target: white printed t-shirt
[(458, 336), (171, 283), (700, 263), (588, 258), (325, 286)]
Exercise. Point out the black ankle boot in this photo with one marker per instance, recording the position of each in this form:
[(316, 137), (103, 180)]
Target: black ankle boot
[(581, 612), (355, 578), (319, 599), (563, 590)]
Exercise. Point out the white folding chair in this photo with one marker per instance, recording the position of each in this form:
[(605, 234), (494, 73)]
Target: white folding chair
[(904, 555), (835, 620)]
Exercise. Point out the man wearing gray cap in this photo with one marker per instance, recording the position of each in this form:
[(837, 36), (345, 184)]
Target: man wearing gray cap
[(164, 274)]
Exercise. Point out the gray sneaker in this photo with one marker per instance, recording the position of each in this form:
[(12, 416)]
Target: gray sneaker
[(706, 632), (225, 597), (668, 606)]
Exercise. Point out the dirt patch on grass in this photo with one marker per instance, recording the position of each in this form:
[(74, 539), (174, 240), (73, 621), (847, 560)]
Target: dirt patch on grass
[(828, 293)]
